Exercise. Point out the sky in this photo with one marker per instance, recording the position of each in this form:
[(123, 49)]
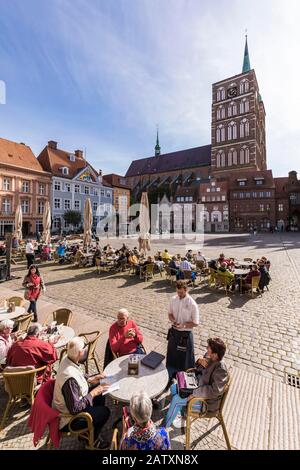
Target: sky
[(100, 75)]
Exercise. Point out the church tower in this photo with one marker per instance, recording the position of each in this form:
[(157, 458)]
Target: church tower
[(157, 146), (238, 123)]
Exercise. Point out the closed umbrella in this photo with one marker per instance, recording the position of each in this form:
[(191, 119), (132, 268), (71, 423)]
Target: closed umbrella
[(47, 224), (87, 223), (18, 223), (144, 222)]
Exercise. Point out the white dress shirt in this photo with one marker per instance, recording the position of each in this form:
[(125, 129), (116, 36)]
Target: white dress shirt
[(29, 250), (184, 311)]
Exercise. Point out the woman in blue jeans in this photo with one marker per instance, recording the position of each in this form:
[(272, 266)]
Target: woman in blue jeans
[(176, 408)]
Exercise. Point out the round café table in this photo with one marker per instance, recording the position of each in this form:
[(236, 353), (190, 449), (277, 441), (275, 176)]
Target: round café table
[(11, 316), (152, 381), (240, 273), (66, 334)]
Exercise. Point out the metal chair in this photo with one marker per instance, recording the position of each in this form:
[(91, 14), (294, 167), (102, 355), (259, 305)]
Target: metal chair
[(193, 414), (19, 384), (22, 322), (91, 348), (18, 301), (61, 316)]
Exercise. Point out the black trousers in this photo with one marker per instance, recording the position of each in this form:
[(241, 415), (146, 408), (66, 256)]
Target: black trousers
[(32, 309), (99, 414), (30, 259)]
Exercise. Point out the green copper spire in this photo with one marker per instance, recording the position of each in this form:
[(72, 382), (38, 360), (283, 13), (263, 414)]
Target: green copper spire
[(157, 146), (246, 63)]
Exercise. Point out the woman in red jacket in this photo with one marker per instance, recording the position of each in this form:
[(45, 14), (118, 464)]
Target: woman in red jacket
[(33, 284)]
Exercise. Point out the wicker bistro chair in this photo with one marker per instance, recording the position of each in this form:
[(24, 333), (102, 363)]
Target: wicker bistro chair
[(19, 384), (22, 322), (86, 433), (212, 277), (91, 340), (18, 301), (114, 441), (188, 276), (223, 281), (170, 274), (146, 272), (61, 316), (254, 286), (193, 414)]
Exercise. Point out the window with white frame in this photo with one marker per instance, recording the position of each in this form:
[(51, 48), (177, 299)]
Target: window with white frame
[(203, 199), (25, 206), (208, 190), (280, 207), (42, 189), (223, 198), (57, 203), (220, 133), (244, 128), (25, 187), (218, 190), (41, 207), (259, 182), (223, 159), (6, 184), (244, 86), (221, 112), (68, 187), (242, 183), (95, 206), (232, 130), (77, 188), (56, 223), (221, 94), (77, 205), (95, 191), (6, 205), (246, 106), (108, 194), (261, 208), (86, 190), (232, 109), (65, 170), (102, 192), (57, 186), (67, 204)]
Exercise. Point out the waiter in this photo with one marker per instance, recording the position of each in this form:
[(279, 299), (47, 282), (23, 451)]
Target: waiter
[(184, 316)]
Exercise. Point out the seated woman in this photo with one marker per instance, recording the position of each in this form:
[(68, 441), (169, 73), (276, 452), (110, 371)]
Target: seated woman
[(46, 253), (6, 339), (173, 265), (144, 435), (61, 251)]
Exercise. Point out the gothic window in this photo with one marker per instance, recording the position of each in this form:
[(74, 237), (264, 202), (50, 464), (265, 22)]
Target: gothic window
[(247, 154), (247, 106), (221, 112), (220, 159), (244, 86), (221, 94), (242, 156), (244, 128), (232, 131), (220, 133), (223, 159), (232, 157), (244, 106)]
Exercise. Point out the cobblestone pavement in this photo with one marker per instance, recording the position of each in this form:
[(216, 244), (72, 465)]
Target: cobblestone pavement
[(262, 334)]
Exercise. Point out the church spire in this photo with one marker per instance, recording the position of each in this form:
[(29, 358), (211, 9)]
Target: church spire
[(157, 146), (246, 63)]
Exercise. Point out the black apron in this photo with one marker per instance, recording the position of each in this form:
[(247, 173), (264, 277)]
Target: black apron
[(180, 352)]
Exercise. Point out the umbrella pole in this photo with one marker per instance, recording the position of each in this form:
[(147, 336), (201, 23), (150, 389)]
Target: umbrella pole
[(8, 255)]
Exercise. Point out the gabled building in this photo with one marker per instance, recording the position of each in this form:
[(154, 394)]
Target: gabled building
[(22, 181), (74, 180)]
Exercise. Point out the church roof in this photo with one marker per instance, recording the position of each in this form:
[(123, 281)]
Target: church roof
[(190, 158)]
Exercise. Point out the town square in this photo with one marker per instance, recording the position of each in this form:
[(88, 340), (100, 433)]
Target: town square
[(149, 249)]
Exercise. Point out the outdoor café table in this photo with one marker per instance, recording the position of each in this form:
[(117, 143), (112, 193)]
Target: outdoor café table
[(243, 264), (66, 334), (153, 381), (4, 315), (240, 273)]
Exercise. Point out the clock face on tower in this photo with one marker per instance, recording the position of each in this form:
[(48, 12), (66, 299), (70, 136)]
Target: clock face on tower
[(232, 92)]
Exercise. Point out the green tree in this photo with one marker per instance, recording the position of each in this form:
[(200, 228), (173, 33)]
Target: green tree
[(72, 217)]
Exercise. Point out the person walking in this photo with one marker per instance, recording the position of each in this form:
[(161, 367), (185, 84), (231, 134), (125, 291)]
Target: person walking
[(184, 316), (34, 284)]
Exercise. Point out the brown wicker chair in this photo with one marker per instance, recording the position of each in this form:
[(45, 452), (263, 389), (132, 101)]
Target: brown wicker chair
[(193, 414), (22, 322), (188, 276), (19, 384), (146, 272), (170, 274), (91, 343), (61, 316), (18, 301), (114, 441)]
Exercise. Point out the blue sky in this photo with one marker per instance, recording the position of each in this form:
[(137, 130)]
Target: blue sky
[(100, 74)]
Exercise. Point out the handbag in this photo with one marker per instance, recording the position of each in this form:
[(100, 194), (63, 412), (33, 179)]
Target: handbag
[(27, 294), (186, 383)]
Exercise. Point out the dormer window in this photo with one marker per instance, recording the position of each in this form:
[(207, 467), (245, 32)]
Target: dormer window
[(72, 157), (65, 170)]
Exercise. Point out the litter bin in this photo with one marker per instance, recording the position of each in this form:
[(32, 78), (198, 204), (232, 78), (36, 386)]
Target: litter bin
[(3, 271)]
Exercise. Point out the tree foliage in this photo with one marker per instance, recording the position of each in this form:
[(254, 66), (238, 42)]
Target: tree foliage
[(72, 217)]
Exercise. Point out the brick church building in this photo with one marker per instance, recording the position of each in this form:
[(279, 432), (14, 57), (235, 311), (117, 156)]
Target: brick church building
[(230, 176)]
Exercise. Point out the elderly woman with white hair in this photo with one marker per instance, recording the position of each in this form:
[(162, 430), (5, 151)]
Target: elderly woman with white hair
[(144, 435), (6, 337), (74, 393)]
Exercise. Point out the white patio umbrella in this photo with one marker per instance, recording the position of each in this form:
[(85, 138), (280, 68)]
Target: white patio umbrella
[(46, 236), (87, 223), (18, 223), (144, 222)]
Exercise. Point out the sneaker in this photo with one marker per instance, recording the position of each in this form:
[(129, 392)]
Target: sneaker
[(179, 422)]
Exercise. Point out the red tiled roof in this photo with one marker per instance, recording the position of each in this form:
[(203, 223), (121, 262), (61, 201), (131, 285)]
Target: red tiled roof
[(114, 180), (53, 160), (19, 155), (251, 175), (280, 184), (190, 158)]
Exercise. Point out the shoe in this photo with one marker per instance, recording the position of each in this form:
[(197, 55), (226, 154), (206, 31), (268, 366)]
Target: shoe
[(179, 422), (101, 444)]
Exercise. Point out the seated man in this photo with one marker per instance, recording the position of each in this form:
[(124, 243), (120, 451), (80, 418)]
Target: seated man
[(173, 265), (227, 274), (185, 265), (211, 375), (247, 282), (32, 351), (74, 393), (201, 257), (124, 335), (189, 255)]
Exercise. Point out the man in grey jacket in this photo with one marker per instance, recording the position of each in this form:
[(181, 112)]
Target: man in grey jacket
[(212, 376)]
